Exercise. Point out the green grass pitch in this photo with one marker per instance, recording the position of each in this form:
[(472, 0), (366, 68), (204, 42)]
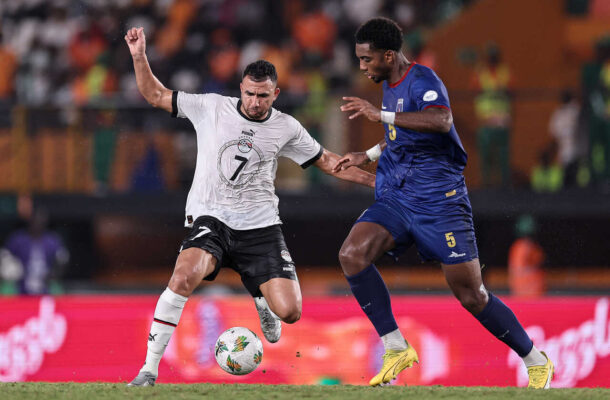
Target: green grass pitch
[(93, 391)]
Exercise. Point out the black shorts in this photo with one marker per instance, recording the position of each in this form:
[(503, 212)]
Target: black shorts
[(258, 255)]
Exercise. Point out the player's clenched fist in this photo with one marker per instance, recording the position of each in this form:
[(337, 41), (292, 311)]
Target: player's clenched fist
[(136, 41)]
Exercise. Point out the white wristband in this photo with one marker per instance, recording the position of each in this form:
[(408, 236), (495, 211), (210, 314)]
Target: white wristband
[(387, 117), (374, 152)]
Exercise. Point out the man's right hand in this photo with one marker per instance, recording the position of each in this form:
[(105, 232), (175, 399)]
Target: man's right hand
[(153, 91), (351, 159), (136, 41)]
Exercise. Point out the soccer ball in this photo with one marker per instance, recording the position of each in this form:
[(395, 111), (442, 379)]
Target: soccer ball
[(238, 351)]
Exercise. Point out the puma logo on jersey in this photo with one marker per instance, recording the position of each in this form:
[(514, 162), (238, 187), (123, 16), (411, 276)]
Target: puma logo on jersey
[(456, 255), (248, 133)]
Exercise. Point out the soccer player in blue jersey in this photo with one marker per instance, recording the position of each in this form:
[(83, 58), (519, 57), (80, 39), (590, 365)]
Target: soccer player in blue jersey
[(421, 199)]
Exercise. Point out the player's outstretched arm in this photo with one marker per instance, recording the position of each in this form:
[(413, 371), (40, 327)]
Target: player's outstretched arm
[(432, 120), (153, 91), (356, 175), (357, 158)]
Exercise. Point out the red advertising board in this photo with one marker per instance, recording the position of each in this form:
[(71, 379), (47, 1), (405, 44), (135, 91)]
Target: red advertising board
[(103, 338)]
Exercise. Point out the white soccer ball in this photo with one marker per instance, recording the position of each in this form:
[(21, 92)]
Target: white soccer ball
[(238, 351)]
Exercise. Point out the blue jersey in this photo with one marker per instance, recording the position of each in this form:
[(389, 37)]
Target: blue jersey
[(420, 194), (424, 167)]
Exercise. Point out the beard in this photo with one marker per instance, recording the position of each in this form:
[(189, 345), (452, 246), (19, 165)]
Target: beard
[(256, 113)]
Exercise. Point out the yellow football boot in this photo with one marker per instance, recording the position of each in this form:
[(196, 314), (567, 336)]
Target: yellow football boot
[(394, 361), (541, 375)]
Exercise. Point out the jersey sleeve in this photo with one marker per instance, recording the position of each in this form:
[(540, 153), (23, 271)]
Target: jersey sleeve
[(302, 148), (192, 106), (429, 91)]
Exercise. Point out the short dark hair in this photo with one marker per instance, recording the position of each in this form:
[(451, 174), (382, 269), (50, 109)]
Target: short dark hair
[(380, 33), (260, 71)]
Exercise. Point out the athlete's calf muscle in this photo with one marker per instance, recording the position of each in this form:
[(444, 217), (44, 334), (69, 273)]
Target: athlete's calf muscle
[(284, 298), (466, 283)]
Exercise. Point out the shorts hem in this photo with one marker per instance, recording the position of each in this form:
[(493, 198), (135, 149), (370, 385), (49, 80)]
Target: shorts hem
[(251, 282), (213, 252), (456, 262), (380, 224)]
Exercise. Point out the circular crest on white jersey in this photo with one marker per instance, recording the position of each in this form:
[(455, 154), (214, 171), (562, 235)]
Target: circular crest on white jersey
[(430, 95), (244, 145), (237, 163)]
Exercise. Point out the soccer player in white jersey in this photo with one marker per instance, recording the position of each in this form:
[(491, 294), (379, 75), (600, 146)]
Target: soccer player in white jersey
[(232, 207)]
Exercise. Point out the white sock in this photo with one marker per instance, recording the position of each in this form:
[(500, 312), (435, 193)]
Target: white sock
[(534, 357), (167, 314), (394, 341)]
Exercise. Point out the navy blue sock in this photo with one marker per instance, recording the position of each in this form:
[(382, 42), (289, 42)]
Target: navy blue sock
[(372, 294), (502, 323)]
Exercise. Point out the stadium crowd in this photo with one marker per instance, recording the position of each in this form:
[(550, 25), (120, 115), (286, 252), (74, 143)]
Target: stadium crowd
[(69, 55), (56, 53)]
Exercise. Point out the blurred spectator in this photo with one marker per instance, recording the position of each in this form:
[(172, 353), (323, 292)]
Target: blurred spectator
[(563, 126), (547, 175), (525, 259), (185, 146), (358, 11), (35, 83), (33, 259), (57, 30), (172, 35), (493, 111), (417, 50), (600, 8), (8, 66), (147, 176), (222, 62), (86, 47), (315, 33), (448, 9), (604, 139), (98, 81), (283, 58), (104, 142), (596, 92), (577, 7)]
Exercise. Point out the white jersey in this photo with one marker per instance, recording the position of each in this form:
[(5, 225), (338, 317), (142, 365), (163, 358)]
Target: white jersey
[(237, 159)]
